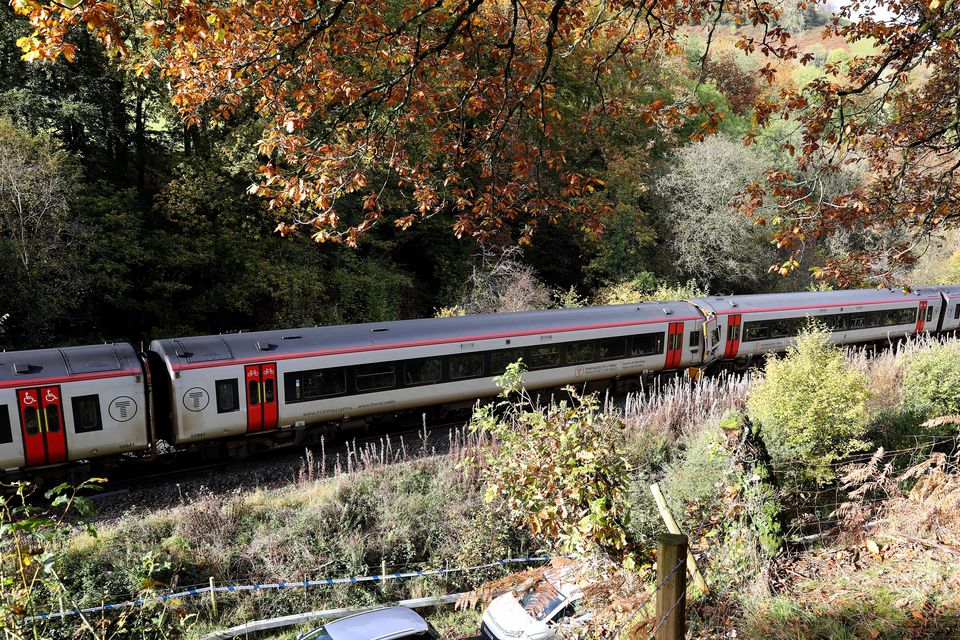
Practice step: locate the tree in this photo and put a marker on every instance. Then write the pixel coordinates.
(501, 284)
(453, 101)
(739, 86)
(36, 181)
(456, 103)
(714, 244)
(892, 111)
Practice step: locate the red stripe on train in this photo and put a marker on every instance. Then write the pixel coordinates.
(726, 312)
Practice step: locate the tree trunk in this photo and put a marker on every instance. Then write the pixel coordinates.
(140, 141)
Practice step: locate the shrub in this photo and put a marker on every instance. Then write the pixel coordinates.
(560, 470)
(932, 379)
(698, 476)
(810, 405)
(645, 288)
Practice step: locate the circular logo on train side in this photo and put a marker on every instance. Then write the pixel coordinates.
(196, 399)
(123, 408)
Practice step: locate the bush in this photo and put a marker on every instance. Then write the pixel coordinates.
(811, 407)
(560, 470)
(932, 380)
(699, 475)
(645, 288)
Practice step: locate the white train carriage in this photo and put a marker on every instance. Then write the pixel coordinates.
(249, 383)
(950, 316)
(746, 326)
(74, 403)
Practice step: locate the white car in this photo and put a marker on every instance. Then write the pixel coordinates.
(533, 614)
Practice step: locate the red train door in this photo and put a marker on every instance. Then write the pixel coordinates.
(271, 411)
(733, 336)
(674, 344)
(41, 422)
(922, 316)
(262, 410)
(54, 433)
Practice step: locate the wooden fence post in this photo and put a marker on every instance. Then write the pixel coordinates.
(673, 527)
(671, 587)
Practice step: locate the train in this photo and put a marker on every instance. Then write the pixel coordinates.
(234, 394)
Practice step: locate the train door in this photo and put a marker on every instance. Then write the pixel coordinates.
(733, 336)
(674, 345)
(922, 316)
(262, 409)
(711, 332)
(41, 422)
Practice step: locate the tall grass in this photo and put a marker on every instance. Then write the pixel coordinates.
(388, 450)
(682, 407)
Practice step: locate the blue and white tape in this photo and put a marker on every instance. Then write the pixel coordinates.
(189, 593)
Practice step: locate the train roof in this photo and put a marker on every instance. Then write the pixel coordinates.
(950, 290)
(22, 367)
(809, 299)
(264, 344)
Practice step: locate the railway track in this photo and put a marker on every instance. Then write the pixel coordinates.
(271, 469)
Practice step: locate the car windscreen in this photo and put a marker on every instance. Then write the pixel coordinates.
(541, 600)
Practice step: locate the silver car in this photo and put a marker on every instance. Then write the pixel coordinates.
(389, 623)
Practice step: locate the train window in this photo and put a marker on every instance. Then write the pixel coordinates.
(857, 322)
(467, 365)
(6, 434)
(929, 314)
(269, 391)
(228, 395)
(784, 327)
(373, 377)
(715, 335)
(675, 341)
(837, 322)
(648, 344)
(253, 392)
(735, 333)
(53, 418)
(544, 357)
(956, 312)
(611, 348)
(31, 421)
(900, 316)
(500, 359)
(753, 331)
(586, 351)
(86, 414)
(423, 371)
(694, 338)
(301, 386)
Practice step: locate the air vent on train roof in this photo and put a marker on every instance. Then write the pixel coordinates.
(666, 311)
(265, 346)
(379, 329)
(293, 337)
(733, 303)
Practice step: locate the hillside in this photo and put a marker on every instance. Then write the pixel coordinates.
(863, 546)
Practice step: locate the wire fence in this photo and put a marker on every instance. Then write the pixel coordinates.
(680, 595)
(810, 510)
(195, 592)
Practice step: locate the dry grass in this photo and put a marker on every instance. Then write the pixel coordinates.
(681, 407)
(931, 510)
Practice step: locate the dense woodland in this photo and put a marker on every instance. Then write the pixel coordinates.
(124, 216)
